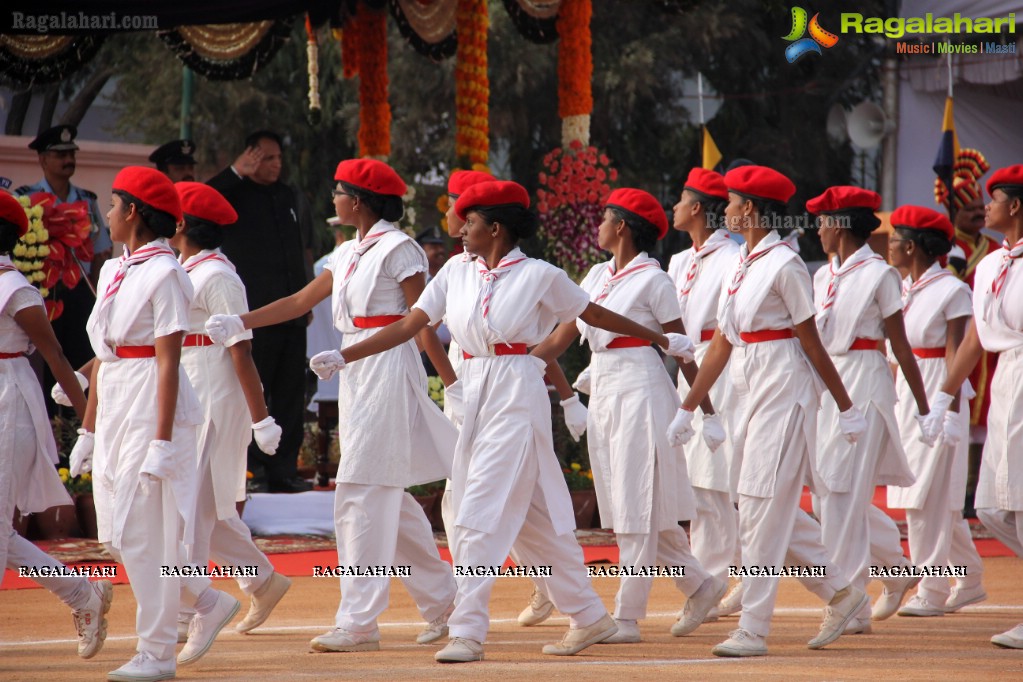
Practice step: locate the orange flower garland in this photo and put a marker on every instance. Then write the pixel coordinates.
(575, 70)
(374, 109)
(349, 49)
(472, 84)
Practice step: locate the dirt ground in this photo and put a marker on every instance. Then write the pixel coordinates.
(37, 641)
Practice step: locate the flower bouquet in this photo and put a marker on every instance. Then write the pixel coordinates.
(56, 243)
(573, 185)
(577, 478)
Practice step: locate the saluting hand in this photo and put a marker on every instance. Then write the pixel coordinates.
(247, 162)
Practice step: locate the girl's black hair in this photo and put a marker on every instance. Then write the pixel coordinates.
(160, 223)
(520, 222)
(934, 243)
(713, 208)
(8, 236)
(644, 234)
(203, 233)
(1012, 191)
(388, 206)
(861, 222)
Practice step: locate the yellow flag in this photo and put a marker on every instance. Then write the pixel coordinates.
(711, 153)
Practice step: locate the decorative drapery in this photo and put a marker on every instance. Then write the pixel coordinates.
(228, 51)
(535, 19)
(45, 58)
(427, 25)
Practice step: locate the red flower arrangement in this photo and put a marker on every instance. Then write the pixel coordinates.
(374, 109)
(57, 241)
(472, 84)
(573, 185)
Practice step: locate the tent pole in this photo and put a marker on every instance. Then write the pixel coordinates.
(187, 87)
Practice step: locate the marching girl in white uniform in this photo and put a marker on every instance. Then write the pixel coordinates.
(229, 390)
(642, 487)
(766, 325)
(507, 484)
(936, 309)
(698, 273)
(859, 302)
(28, 453)
(392, 434)
(997, 327)
(144, 413)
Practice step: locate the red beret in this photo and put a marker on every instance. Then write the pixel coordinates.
(492, 193)
(760, 182)
(12, 211)
(151, 187)
(922, 218)
(462, 180)
(707, 182)
(205, 203)
(370, 175)
(1011, 176)
(641, 204)
(843, 198)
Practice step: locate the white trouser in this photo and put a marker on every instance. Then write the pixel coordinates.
(151, 539)
(1006, 526)
(227, 541)
(885, 540)
(847, 518)
(664, 548)
(715, 531)
(964, 553)
(529, 528)
(774, 531)
(930, 532)
(384, 526)
(72, 590)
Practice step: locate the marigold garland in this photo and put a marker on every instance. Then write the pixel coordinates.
(472, 84)
(349, 39)
(575, 61)
(374, 109)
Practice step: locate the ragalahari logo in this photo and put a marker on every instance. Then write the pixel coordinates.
(801, 46)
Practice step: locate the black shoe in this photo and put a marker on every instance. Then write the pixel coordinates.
(295, 484)
(257, 485)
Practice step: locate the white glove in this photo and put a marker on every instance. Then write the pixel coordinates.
(713, 431)
(575, 416)
(60, 397)
(852, 423)
(222, 327)
(582, 382)
(267, 434)
(81, 454)
(952, 431)
(681, 346)
(681, 428)
(454, 401)
(927, 436)
(933, 423)
(159, 462)
(327, 364)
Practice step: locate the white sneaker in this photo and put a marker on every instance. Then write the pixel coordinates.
(741, 643)
(577, 639)
(1010, 639)
(837, 614)
(732, 603)
(436, 628)
(91, 622)
(918, 606)
(204, 628)
(699, 605)
(891, 598)
(184, 620)
(538, 610)
(144, 667)
(858, 626)
(961, 597)
(263, 601)
(460, 650)
(343, 640)
(628, 633)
